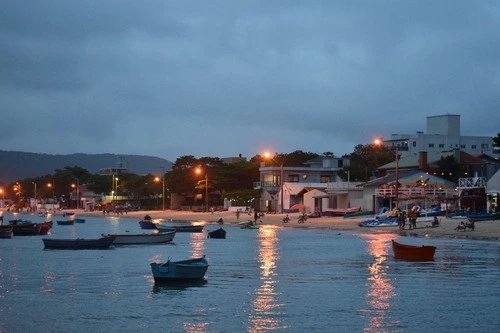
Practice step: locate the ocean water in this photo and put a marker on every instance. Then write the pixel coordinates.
(268, 280)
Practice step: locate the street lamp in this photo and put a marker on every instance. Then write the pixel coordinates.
(77, 186)
(163, 187)
(379, 142)
(268, 156)
(198, 171)
(35, 194)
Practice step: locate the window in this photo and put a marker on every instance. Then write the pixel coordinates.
(473, 147)
(414, 143)
(293, 179)
(441, 145)
(324, 179)
(340, 163)
(484, 146)
(431, 145)
(462, 146)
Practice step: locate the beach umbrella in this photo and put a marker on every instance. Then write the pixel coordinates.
(298, 206)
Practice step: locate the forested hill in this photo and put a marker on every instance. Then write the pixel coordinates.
(15, 165)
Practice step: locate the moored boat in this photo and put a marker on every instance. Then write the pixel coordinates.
(78, 243)
(180, 228)
(413, 252)
(147, 224)
(29, 230)
(154, 238)
(179, 271)
(66, 222)
(6, 232)
(79, 220)
(218, 233)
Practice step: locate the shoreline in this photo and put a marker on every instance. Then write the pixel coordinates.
(484, 230)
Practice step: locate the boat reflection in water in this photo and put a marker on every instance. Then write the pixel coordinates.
(265, 308)
(380, 290)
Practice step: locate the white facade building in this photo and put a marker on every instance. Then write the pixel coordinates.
(443, 134)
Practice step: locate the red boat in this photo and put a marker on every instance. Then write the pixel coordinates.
(412, 252)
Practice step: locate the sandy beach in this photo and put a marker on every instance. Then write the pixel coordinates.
(484, 230)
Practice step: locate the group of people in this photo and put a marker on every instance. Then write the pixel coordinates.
(402, 217)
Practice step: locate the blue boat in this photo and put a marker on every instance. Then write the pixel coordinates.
(380, 222)
(179, 271)
(66, 222)
(79, 220)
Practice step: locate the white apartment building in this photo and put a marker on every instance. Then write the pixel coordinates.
(442, 134)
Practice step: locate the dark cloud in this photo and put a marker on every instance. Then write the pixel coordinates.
(221, 78)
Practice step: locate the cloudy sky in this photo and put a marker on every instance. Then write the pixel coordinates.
(222, 78)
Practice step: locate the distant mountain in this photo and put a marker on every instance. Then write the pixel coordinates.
(15, 165)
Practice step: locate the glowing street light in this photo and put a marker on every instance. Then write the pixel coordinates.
(267, 156)
(199, 171)
(77, 187)
(379, 142)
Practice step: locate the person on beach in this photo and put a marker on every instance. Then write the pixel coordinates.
(237, 215)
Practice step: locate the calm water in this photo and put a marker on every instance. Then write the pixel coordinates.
(268, 280)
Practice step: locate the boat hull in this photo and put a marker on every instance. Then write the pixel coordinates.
(135, 239)
(219, 233)
(412, 252)
(180, 228)
(78, 243)
(180, 271)
(69, 222)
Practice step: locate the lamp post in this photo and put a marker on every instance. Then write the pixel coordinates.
(163, 187)
(35, 194)
(77, 188)
(282, 176)
(3, 197)
(198, 171)
(396, 150)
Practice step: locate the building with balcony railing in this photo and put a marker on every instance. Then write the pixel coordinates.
(297, 180)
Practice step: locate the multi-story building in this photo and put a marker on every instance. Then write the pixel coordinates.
(284, 186)
(443, 134)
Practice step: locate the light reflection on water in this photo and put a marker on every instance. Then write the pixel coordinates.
(265, 306)
(380, 290)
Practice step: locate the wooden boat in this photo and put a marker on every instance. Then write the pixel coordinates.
(412, 252)
(6, 232)
(29, 230)
(78, 243)
(79, 220)
(219, 233)
(178, 271)
(155, 238)
(180, 228)
(66, 222)
(147, 224)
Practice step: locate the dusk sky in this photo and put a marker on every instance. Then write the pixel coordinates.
(222, 78)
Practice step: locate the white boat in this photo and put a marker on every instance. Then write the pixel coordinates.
(183, 270)
(154, 238)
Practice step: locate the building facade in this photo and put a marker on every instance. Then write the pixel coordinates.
(442, 134)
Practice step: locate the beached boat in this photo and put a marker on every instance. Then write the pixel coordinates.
(412, 252)
(341, 211)
(219, 233)
(6, 232)
(476, 217)
(66, 222)
(147, 224)
(78, 243)
(179, 228)
(380, 222)
(179, 271)
(155, 238)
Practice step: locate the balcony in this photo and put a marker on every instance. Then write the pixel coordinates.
(417, 192)
(338, 187)
(474, 182)
(270, 187)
